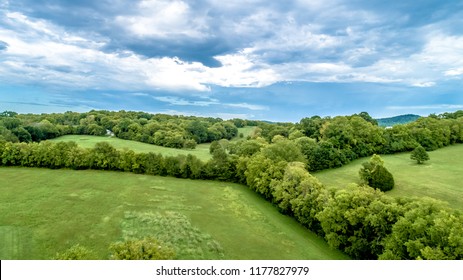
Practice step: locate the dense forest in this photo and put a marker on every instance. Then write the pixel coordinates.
(275, 161)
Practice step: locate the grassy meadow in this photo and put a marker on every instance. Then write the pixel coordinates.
(201, 151)
(441, 177)
(48, 211)
(88, 141)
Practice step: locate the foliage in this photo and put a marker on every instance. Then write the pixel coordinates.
(374, 174)
(309, 198)
(367, 117)
(357, 219)
(189, 144)
(143, 249)
(284, 190)
(261, 171)
(283, 150)
(163, 130)
(427, 230)
(419, 154)
(245, 148)
(76, 252)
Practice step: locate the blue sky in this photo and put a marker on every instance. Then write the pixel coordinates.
(270, 60)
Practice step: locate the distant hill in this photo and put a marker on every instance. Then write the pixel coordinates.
(402, 119)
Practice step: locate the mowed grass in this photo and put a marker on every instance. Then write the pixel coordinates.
(48, 211)
(246, 131)
(87, 141)
(441, 177)
(201, 151)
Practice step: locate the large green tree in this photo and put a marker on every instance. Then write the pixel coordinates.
(419, 154)
(357, 219)
(427, 230)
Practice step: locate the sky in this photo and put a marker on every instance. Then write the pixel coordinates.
(255, 59)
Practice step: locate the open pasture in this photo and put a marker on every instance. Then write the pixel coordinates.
(201, 151)
(87, 141)
(48, 211)
(441, 177)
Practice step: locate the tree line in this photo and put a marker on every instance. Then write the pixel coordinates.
(333, 142)
(159, 129)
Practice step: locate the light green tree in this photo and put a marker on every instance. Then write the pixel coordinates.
(76, 252)
(142, 249)
(419, 154)
(427, 230)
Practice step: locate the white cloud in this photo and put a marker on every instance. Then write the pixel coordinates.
(90, 67)
(443, 49)
(162, 18)
(39, 26)
(454, 72)
(41, 52)
(240, 70)
(34, 57)
(424, 84)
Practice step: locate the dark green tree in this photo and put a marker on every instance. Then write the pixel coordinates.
(374, 174)
(357, 220)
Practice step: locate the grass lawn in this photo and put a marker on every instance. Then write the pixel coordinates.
(201, 151)
(47, 211)
(441, 177)
(88, 141)
(247, 131)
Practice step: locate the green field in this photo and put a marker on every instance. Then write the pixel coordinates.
(201, 151)
(47, 211)
(247, 131)
(441, 177)
(88, 141)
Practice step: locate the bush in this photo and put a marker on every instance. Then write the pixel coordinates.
(374, 174)
(76, 252)
(144, 249)
(189, 144)
(381, 179)
(419, 154)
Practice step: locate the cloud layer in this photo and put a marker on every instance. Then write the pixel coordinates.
(177, 49)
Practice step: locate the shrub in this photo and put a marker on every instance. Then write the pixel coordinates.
(374, 174)
(189, 144)
(143, 249)
(76, 252)
(419, 154)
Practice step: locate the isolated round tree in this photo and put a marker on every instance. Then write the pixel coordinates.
(419, 154)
